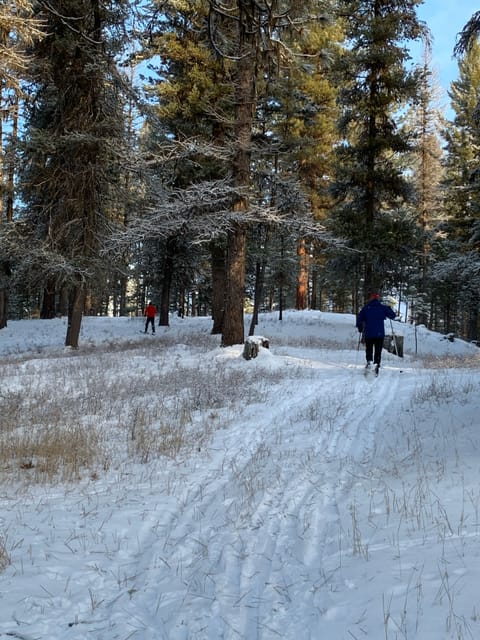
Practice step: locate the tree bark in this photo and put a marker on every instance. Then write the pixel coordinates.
(48, 310)
(217, 252)
(259, 286)
(75, 312)
(3, 308)
(167, 277)
(245, 103)
(233, 325)
(302, 278)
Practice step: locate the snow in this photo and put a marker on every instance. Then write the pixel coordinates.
(309, 502)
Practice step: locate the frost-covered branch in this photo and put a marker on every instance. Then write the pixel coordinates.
(205, 211)
(40, 262)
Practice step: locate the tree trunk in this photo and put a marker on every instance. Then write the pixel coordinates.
(302, 278)
(167, 277)
(3, 308)
(75, 312)
(233, 325)
(245, 103)
(123, 284)
(6, 198)
(63, 302)
(472, 326)
(259, 281)
(259, 285)
(48, 310)
(217, 251)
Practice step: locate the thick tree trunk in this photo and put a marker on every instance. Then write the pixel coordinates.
(246, 99)
(48, 310)
(233, 325)
(75, 313)
(217, 252)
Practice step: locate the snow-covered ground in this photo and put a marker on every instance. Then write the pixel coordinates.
(309, 502)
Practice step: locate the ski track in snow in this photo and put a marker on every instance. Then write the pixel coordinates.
(237, 541)
(272, 546)
(190, 564)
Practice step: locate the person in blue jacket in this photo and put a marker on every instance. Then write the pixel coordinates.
(370, 323)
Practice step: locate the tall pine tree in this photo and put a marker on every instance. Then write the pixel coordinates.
(18, 30)
(456, 274)
(71, 149)
(425, 121)
(371, 189)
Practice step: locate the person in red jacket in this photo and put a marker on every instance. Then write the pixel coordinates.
(150, 311)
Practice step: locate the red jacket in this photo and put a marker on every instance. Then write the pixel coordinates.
(150, 311)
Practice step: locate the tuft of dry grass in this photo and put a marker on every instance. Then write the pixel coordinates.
(4, 555)
(451, 362)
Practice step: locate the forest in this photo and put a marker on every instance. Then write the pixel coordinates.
(220, 157)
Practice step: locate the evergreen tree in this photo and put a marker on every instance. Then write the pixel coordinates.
(304, 124)
(424, 121)
(71, 152)
(192, 93)
(228, 111)
(18, 30)
(456, 282)
(371, 187)
(258, 39)
(463, 139)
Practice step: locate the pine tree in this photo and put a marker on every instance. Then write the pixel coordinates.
(18, 30)
(227, 102)
(463, 139)
(258, 38)
(193, 97)
(304, 124)
(424, 121)
(72, 147)
(456, 272)
(370, 186)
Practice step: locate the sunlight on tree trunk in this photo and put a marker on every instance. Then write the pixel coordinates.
(302, 277)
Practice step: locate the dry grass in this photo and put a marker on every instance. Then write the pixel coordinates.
(79, 414)
(314, 342)
(4, 556)
(451, 362)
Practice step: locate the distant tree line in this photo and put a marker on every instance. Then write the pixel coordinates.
(222, 156)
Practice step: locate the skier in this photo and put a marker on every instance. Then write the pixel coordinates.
(370, 324)
(150, 311)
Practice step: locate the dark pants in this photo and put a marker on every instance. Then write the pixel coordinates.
(152, 321)
(373, 349)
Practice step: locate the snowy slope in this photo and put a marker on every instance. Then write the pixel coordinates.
(322, 505)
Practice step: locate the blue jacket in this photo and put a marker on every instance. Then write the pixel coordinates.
(371, 317)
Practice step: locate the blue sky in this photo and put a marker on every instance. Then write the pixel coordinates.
(446, 18)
